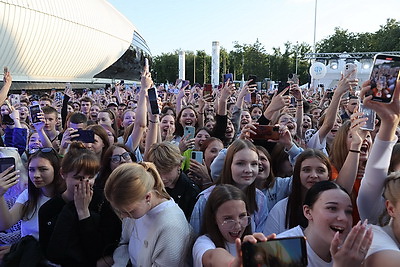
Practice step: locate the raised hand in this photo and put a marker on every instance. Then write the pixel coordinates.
(82, 196)
(353, 250)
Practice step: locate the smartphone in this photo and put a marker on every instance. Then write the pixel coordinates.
(155, 110)
(288, 251)
(5, 70)
(282, 86)
(146, 64)
(35, 110)
(228, 77)
(6, 163)
(371, 115)
(189, 132)
(85, 136)
(348, 68)
(253, 97)
(329, 94)
(185, 83)
(59, 96)
(15, 99)
(7, 120)
(253, 78)
(197, 156)
(384, 76)
(207, 89)
(293, 78)
(265, 132)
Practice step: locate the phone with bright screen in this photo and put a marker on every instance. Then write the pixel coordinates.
(384, 76)
(288, 251)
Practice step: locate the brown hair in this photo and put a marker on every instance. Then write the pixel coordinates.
(294, 208)
(78, 159)
(226, 175)
(339, 148)
(220, 194)
(101, 132)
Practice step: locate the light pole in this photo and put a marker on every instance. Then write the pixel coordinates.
(315, 24)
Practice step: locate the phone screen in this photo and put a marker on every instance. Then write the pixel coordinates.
(228, 76)
(384, 76)
(265, 132)
(85, 136)
(153, 101)
(6, 163)
(290, 251)
(34, 113)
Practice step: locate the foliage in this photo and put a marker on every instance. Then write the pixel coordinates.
(246, 59)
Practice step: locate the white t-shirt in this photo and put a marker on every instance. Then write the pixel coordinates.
(317, 144)
(31, 226)
(276, 218)
(313, 259)
(384, 239)
(204, 243)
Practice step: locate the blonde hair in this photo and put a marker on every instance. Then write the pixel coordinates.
(165, 156)
(391, 192)
(131, 182)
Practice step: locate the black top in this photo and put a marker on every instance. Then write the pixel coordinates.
(184, 194)
(68, 241)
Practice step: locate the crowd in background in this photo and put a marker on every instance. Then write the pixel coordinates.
(138, 194)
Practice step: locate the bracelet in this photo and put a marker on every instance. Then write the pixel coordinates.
(153, 121)
(355, 151)
(299, 100)
(202, 113)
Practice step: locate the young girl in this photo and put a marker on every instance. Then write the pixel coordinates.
(44, 182)
(274, 188)
(311, 167)
(155, 230)
(240, 169)
(225, 219)
(331, 241)
(77, 227)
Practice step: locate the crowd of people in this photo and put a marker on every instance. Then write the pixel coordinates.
(101, 179)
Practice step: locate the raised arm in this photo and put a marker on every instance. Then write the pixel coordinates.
(370, 201)
(8, 217)
(278, 101)
(141, 110)
(348, 172)
(345, 84)
(6, 86)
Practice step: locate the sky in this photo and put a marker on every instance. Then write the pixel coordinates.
(194, 24)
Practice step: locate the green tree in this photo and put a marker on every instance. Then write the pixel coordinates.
(165, 67)
(341, 41)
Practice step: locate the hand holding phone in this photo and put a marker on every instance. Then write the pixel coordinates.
(34, 111)
(85, 136)
(265, 132)
(350, 71)
(228, 77)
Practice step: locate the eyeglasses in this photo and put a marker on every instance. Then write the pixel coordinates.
(117, 158)
(43, 150)
(230, 224)
(285, 120)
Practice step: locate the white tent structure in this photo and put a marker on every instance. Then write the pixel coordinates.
(66, 40)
